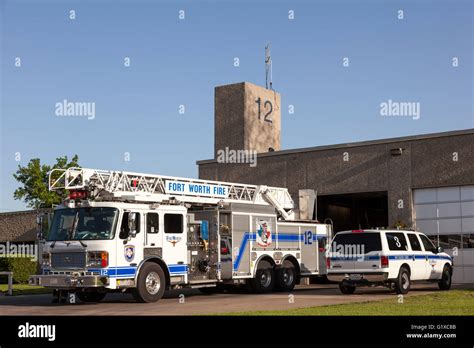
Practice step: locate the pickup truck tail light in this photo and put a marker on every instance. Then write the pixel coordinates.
(384, 261)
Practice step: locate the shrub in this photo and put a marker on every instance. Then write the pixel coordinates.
(22, 268)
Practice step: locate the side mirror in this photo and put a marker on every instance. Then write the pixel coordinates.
(132, 224)
(438, 250)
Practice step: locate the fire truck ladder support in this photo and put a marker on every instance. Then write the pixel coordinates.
(130, 186)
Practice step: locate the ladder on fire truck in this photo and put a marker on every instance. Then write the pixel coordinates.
(130, 186)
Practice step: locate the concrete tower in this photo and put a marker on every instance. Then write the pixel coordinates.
(247, 117)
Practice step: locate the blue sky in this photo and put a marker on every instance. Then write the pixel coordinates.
(177, 62)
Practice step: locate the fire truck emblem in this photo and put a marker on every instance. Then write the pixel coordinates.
(264, 233)
(173, 239)
(129, 253)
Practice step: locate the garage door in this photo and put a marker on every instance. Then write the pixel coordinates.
(446, 214)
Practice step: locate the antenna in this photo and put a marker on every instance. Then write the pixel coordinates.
(268, 67)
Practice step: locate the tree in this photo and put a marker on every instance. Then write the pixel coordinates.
(33, 177)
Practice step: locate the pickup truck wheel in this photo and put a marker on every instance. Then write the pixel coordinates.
(347, 289)
(151, 283)
(92, 296)
(286, 277)
(445, 282)
(264, 280)
(403, 282)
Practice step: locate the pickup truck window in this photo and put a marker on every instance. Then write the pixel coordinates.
(365, 242)
(414, 242)
(427, 243)
(396, 241)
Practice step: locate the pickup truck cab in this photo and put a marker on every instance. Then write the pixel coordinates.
(392, 258)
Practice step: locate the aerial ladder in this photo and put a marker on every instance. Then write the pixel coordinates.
(106, 185)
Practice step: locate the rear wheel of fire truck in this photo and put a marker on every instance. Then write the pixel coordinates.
(286, 276)
(91, 296)
(151, 283)
(264, 280)
(346, 289)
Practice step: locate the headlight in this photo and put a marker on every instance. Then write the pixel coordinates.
(98, 259)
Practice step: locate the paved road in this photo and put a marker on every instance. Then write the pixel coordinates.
(196, 303)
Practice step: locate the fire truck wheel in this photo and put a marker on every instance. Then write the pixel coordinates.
(151, 283)
(91, 296)
(286, 276)
(264, 280)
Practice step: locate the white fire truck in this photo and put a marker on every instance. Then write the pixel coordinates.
(144, 233)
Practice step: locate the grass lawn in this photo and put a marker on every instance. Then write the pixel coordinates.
(24, 289)
(454, 302)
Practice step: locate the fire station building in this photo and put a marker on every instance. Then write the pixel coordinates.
(423, 182)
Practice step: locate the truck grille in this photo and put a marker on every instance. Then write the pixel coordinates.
(74, 260)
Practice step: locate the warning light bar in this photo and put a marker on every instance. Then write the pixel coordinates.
(77, 195)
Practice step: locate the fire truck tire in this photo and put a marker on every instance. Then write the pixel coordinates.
(286, 277)
(264, 280)
(151, 283)
(91, 296)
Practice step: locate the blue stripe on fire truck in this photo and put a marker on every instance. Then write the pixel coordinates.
(127, 271)
(281, 237)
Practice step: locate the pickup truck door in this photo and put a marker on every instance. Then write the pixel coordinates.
(433, 265)
(418, 261)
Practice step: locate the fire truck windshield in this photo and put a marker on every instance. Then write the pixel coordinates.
(83, 224)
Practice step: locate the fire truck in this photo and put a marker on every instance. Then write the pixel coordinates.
(121, 231)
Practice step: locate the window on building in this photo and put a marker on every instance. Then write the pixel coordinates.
(468, 241)
(446, 241)
(414, 242)
(152, 223)
(426, 243)
(173, 223)
(396, 241)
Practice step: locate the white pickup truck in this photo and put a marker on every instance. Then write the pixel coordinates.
(392, 258)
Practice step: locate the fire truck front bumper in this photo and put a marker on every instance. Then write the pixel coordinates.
(69, 281)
